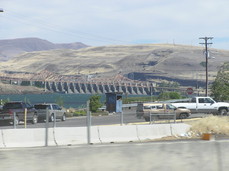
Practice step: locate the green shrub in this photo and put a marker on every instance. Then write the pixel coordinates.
(220, 87)
(138, 99)
(95, 103)
(80, 113)
(203, 64)
(68, 114)
(76, 112)
(169, 95)
(60, 101)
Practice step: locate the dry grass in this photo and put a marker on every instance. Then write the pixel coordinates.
(216, 125)
(211, 124)
(15, 89)
(164, 60)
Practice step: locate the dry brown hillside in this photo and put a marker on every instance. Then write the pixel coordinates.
(165, 60)
(12, 47)
(15, 89)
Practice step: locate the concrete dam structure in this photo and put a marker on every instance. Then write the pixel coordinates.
(81, 85)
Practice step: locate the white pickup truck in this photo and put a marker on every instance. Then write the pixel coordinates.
(203, 105)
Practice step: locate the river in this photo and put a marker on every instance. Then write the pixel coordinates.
(69, 100)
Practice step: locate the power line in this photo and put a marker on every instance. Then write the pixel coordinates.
(206, 43)
(42, 24)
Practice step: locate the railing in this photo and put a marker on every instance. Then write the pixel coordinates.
(162, 114)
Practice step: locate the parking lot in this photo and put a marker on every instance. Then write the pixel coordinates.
(128, 118)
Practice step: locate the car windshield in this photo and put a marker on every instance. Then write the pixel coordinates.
(169, 106)
(40, 106)
(12, 106)
(147, 107)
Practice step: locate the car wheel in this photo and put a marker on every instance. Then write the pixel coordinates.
(223, 112)
(183, 116)
(51, 118)
(63, 117)
(40, 120)
(35, 119)
(147, 119)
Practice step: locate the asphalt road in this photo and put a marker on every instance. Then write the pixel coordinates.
(82, 121)
(163, 156)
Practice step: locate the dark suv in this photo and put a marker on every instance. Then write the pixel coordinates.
(22, 110)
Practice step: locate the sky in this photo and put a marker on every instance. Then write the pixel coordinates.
(117, 22)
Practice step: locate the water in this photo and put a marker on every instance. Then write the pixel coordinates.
(69, 100)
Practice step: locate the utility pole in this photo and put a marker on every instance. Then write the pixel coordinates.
(206, 43)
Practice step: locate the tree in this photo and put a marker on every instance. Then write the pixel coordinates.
(60, 101)
(220, 87)
(26, 100)
(3, 101)
(95, 103)
(169, 95)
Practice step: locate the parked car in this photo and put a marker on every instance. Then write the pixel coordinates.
(162, 109)
(19, 108)
(53, 110)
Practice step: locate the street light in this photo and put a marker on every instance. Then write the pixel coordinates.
(1, 10)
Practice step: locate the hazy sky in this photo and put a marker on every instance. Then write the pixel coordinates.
(112, 22)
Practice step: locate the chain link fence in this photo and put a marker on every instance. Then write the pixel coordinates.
(78, 118)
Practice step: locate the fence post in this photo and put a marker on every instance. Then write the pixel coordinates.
(88, 123)
(54, 122)
(174, 117)
(150, 116)
(121, 118)
(46, 127)
(25, 119)
(14, 120)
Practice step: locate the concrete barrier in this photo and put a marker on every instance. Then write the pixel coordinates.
(2, 143)
(149, 132)
(75, 135)
(69, 136)
(78, 135)
(27, 137)
(109, 134)
(179, 129)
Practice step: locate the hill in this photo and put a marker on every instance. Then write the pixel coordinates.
(13, 47)
(16, 89)
(184, 64)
